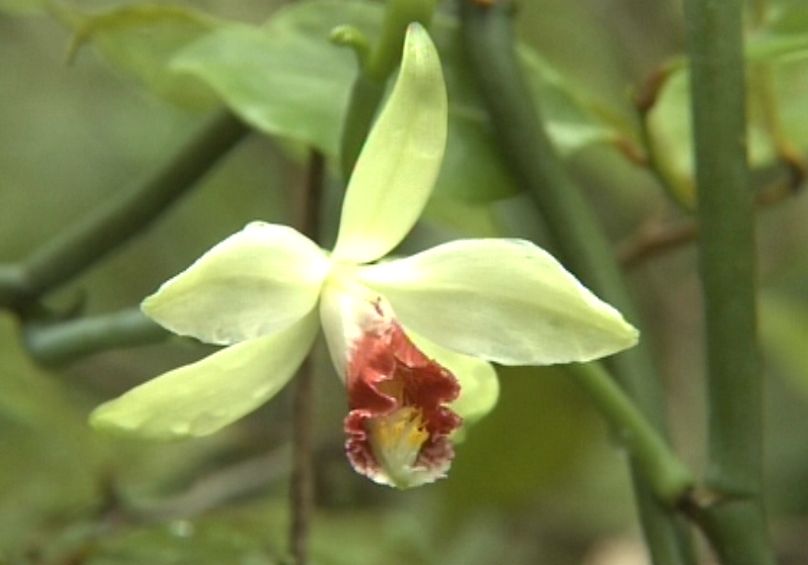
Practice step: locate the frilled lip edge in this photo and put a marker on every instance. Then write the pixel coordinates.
(387, 372)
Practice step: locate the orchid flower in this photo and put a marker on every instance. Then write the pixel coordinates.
(412, 339)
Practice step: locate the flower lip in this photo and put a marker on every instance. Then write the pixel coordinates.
(398, 426)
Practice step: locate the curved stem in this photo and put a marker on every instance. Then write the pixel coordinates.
(727, 264)
(366, 95)
(660, 467)
(66, 341)
(120, 218)
(573, 227)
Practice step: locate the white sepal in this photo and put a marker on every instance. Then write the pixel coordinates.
(504, 300)
(255, 282)
(203, 397)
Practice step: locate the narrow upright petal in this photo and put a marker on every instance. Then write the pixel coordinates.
(399, 422)
(253, 283)
(400, 161)
(203, 397)
(504, 300)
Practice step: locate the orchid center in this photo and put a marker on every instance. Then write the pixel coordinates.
(399, 423)
(396, 440)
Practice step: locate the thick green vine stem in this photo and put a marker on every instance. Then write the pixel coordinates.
(366, 95)
(12, 284)
(666, 474)
(488, 38)
(119, 219)
(714, 32)
(369, 86)
(56, 344)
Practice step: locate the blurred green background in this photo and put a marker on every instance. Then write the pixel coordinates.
(538, 481)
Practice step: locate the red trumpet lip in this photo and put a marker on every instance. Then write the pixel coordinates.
(398, 426)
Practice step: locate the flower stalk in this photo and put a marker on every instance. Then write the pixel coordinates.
(668, 477)
(63, 342)
(735, 520)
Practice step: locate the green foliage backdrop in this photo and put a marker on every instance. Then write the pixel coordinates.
(540, 480)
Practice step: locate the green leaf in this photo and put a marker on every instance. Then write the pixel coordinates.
(140, 40)
(573, 120)
(286, 79)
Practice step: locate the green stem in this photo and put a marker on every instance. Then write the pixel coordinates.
(12, 284)
(66, 341)
(366, 95)
(727, 263)
(659, 466)
(120, 218)
(369, 86)
(398, 15)
(572, 225)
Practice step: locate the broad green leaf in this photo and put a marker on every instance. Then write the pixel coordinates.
(572, 119)
(286, 79)
(282, 79)
(399, 163)
(140, 39)
(253, 283)
(504, 300)
(203, 397)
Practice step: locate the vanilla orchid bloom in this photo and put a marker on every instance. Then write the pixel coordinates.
(412, 339)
